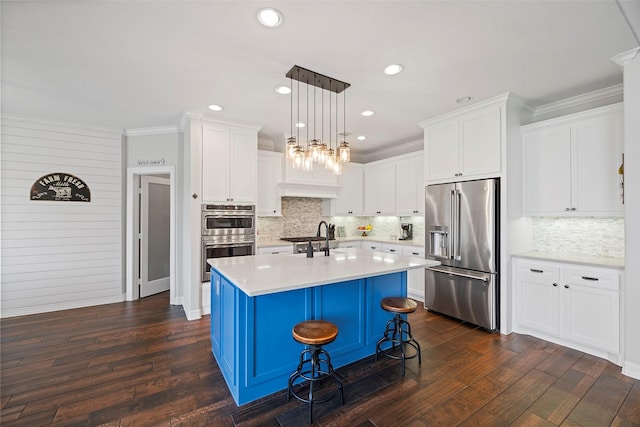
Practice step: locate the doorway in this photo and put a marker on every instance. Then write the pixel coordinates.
(151, 231)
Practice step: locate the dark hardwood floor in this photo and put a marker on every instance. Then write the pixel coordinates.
(143, 364)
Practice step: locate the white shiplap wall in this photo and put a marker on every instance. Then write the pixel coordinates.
(59, 255)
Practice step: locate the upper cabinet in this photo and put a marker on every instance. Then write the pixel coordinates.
(269, 176)
(379, 188)
(410, 185)
(571, 164)
(229, 163)
(350, 200)
(464, 145)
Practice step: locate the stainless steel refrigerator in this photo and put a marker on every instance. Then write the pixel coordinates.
(461, 224)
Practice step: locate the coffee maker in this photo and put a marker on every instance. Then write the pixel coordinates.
(407, 231)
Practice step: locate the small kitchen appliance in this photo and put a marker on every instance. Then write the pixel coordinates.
(407, 231)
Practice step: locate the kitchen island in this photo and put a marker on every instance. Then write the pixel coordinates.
(256, 301)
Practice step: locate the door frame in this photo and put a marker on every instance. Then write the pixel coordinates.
(131, 291)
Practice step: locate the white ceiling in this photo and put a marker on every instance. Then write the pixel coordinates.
(140, 64)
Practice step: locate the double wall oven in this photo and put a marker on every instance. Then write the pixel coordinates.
(227, 230)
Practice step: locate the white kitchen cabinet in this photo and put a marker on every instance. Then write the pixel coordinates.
(350, 244)
(269, 176)
(465, 144)
(379, 189)
(275, 250)
(410, 185)
(573, 305)
(571, 164)
(229, 164)
(350, 200)
(415, 278)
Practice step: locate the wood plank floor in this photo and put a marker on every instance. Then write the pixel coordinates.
(143, 364)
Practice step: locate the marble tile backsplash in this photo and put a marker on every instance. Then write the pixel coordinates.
(301, 215)
(579, 235)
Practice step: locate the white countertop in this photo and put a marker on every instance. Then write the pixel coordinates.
(274, 243)
(266, 274)
(596, 261)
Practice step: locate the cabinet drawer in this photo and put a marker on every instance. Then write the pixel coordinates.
(392, 249)
(538, 271)
(417, 252)
(592, 278)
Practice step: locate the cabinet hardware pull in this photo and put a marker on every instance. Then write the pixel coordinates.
(555, 284)
(534, 270)
(392, 250)
(566, 286)
(567, 209)
(415, 253)
(573, 209)
(595, 279)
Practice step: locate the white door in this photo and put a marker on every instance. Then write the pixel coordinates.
(155, 220)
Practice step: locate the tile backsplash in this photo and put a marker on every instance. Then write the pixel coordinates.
(579, 235)
(301, 215)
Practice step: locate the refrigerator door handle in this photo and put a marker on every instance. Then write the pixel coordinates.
(452, 222)
(483, 277)
(456, 254)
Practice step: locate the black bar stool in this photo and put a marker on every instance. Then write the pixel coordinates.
(398, 330)
(314, 334)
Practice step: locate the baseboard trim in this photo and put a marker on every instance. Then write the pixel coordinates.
(66, 305)
(631, 370)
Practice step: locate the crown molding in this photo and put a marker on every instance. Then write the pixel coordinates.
(499, 99)
(151, 131)
(610, 92)
(568, 118)
(187, 116)
(393, 151)
(625, 58)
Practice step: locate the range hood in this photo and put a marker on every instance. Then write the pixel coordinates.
(300, 189)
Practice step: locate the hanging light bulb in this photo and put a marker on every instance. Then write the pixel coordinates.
(314, 144)
(307, 162)
(344, 152)
(298, 151)
(337, 168)
(291, 141)
(331, 154)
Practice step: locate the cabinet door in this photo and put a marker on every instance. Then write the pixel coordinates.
(406, 183)
(592, 316)
(480, 143)
(591, 305)
(442, 150)
(215, 164)
(371, 190)
(269, 175)
(415, 277)
(350, 194)
(243, 166)
(547, 169)
(387, 188)
(538, 306)
(597, 154)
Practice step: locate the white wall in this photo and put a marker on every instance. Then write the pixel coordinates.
(59, 255)
(631, 350)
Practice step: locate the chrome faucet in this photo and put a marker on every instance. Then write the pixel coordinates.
(326, 226)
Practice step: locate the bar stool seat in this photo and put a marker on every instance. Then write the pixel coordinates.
(398, 331)
(315, 363)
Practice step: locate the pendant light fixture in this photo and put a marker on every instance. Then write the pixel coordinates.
(317, 150)
(344, 152)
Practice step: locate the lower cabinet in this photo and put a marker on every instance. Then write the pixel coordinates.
(275, 250)
(573, 305)
(415, 278)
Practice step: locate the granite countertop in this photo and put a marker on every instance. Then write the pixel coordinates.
(596, 261)
(266, 274)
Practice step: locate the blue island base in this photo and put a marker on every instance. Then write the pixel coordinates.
(251, 336)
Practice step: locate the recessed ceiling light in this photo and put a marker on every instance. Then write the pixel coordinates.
(361, 138)
(299, 125)
(270, 17)
(367, 113)
(283, 90)
(393, 69)
(463, 100)
(214, 107)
